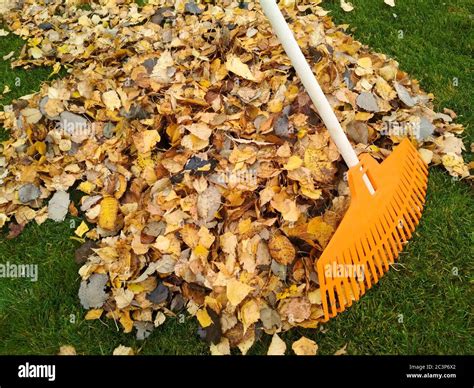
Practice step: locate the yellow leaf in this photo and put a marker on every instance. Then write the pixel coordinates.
(174, 133)
(236, 66)
(312, 158)
(388, 72)
(93, 314)
(384, 89)
(56, 69)
(305, 347)
(290, 291)
(426, 155)
(64, 49)
(311, 192)
(275, 106)
(346, 6)
(145, 141)
(40, 147)
(248, 341)
(365, 62)
(136, 288)
(81, 240)
(315, 297)
(203, 318)
(111, 100)
(200, 251)
(363, 116)
(321, 230)
(86, 187)
(108, 213)
(81, 229)
(194, 143)
(455, 165)
(36, 52)
(126, 322)
(249, 313)
(237, 291)
(245, 226)
(218, 70)
(288, 209)
(200, 130)
(293, 163)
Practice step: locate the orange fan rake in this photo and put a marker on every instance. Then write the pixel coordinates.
(374, 228)
(387, 199)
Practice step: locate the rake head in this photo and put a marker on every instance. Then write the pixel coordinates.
(375, 227)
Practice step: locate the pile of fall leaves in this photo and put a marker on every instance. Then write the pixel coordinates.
(207, 181)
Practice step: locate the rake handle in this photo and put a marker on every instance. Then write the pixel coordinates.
(302, 68)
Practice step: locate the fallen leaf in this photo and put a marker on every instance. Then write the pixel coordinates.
(93, 314)
(236, 66)
(145, 141)
(305, 347)
(67, 350)
(347, 6)
(81, 229)
(111, 100)
(58, 206)
(108, 213)
(91, 291)
(282, 250)
(277, 346)
(123, 351)
(341, 351)
(237, 291)
(221, 349)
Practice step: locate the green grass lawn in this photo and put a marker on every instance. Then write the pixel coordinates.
(422, 306)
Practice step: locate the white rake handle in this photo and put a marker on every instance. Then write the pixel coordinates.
(302, 68)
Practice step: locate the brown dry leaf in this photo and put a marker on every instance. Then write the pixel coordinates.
(282, 250)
